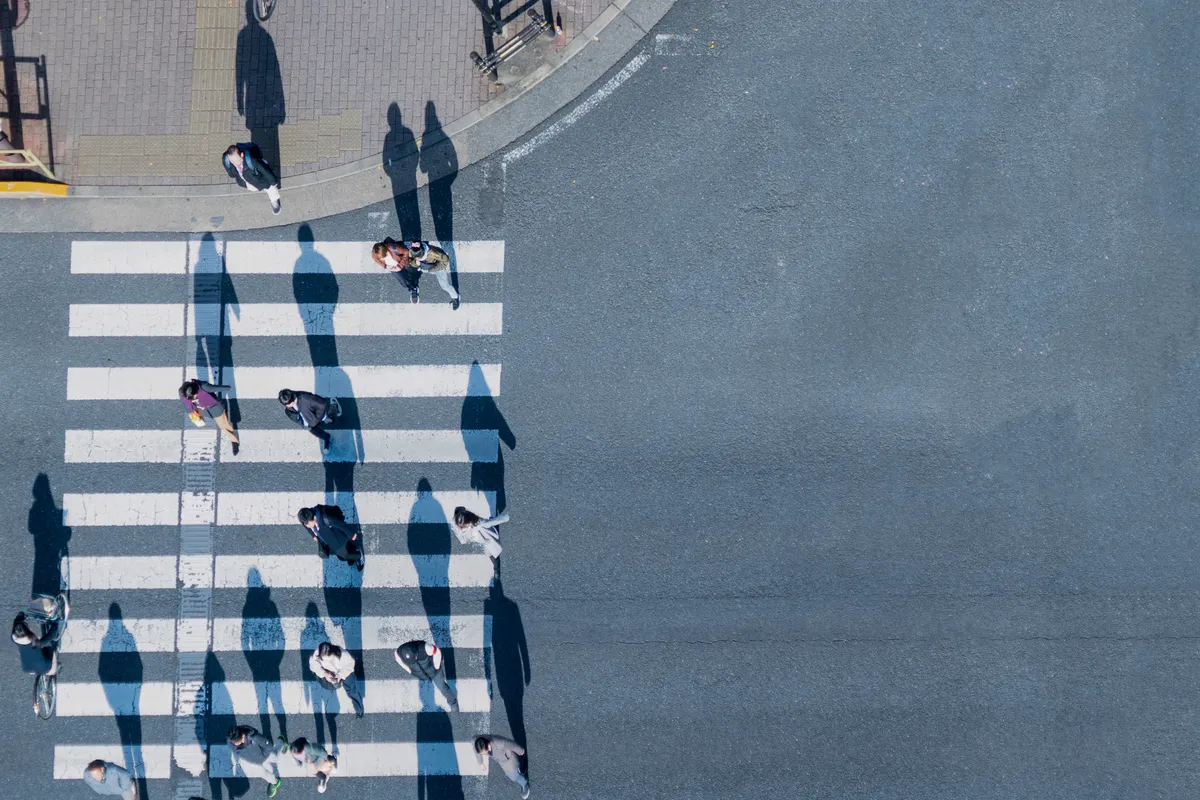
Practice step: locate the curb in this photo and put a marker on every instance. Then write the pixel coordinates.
(198, 209)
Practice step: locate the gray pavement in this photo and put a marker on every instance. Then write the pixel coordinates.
(848, 363)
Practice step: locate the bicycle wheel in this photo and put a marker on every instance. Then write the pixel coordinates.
(45, 696)
(263, 9)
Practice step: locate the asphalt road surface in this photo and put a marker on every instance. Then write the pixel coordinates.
(847, 420)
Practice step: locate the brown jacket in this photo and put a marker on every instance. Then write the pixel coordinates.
(399, 253)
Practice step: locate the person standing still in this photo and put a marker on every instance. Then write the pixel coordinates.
(246, 165)
(247, 745)
(107, 778)
(395, 259)
(310, 411)
(315, 760)
(426, 257)
(200, 397)
(507, 754)
(423, 660)
(334, 667)
(328, 528)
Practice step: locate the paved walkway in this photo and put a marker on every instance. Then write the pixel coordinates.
(145, 94)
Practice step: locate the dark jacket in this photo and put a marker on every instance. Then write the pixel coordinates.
(256, 171)
(256, 749)
(204, 399)
(417, 660)
(334, 533)
(310, 409)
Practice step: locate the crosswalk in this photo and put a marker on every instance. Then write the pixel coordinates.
(225, 540)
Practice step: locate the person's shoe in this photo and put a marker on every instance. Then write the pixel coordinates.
(322, 782)
(414, 296)
(237, 446)
(360, 565)
(275, 206)
(455, 303)
(274, 787)
(325, 446)
(283, 744)
(525, 792)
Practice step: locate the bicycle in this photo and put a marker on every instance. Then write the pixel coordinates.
(263, 9)
(46, 622)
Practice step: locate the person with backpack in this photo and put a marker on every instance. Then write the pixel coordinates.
(248, 746)
(310, 411)
(246, 165)
(425, 257)
(328, 528)
(396, 259)
(200, 397)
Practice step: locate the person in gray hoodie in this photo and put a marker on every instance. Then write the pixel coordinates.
(507, 754)
(249, 746)
(107, 778)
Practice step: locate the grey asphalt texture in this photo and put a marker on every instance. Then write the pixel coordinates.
(851, 365)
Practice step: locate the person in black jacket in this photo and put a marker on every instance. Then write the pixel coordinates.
(310, 411)
(329, 530)
(246, 165)
(251, 747)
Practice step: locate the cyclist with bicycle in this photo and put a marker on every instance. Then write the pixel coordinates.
(37, 641)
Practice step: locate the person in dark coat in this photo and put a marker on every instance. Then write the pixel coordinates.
(329, 530)
(201, 396)
(246, 165)
(310, 411)
(251, 747)
(423, 660)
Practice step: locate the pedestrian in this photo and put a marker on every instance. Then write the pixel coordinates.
(249, 746)
(328, 528)
(471, 529)
(315, 760)
(106, 777)
(310, 411)
(507, 754)
(246, 165)
(200, 397)
(396, 259)
(423, 660)
(426, 257)
(334, 667)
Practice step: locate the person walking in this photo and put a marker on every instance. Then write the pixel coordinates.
(423, 660)
(334, 667)
(315, 760)
(328, 528)
(247, 745)
(200, 397)
(105, 777)
(471, 529)
(425, 257)
(246, 165)
(310, 411)
(507, 754)
(396, 259)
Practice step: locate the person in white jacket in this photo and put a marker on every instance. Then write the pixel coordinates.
(334, 667)
(471, 529)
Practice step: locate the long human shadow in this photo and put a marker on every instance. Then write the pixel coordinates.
(510, 652)
(480, 412)
(315, 289)
(50, 538)
(120, 671)
(400, 160)
(429, 536)
(259, 86)
(439, 161)
(214, 297)
(211, 729)
(434, 731)
(325, 704)
(264, 644)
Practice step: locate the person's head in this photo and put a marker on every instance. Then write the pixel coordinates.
(237, 736)
(328, 650)
(97, 769)
(464, 518)
(415, 248)
(287, 396)
(379, 250)
(297, 747)
(307, 517)
(482, 744)
(189, 388)
(21, 633)
(234, 154)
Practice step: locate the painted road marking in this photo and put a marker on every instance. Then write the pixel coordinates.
(257, 383)
(129, 258)
(235, 634)
(366, 508)
(123, 447)
(121, 508)
(154, 760)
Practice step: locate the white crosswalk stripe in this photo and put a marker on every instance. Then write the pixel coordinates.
(222, 511)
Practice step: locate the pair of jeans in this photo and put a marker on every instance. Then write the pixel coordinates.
(443, 686)
(443, 279)
(518, 777)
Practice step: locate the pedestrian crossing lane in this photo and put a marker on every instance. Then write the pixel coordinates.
(268, 512)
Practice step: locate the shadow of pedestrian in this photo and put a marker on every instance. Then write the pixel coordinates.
(429, 536)
(263, 644)
(259, 86)
(325, 704)
(212, 729)
(439, 161)
(400, 159)
(510, 652)
(437, 767)
(120, 672)
(50, 538)
(213, 296)
(480, 412)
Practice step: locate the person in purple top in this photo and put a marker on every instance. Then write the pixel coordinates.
(200, 397)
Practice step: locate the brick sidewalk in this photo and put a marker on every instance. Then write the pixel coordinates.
(146, 94)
